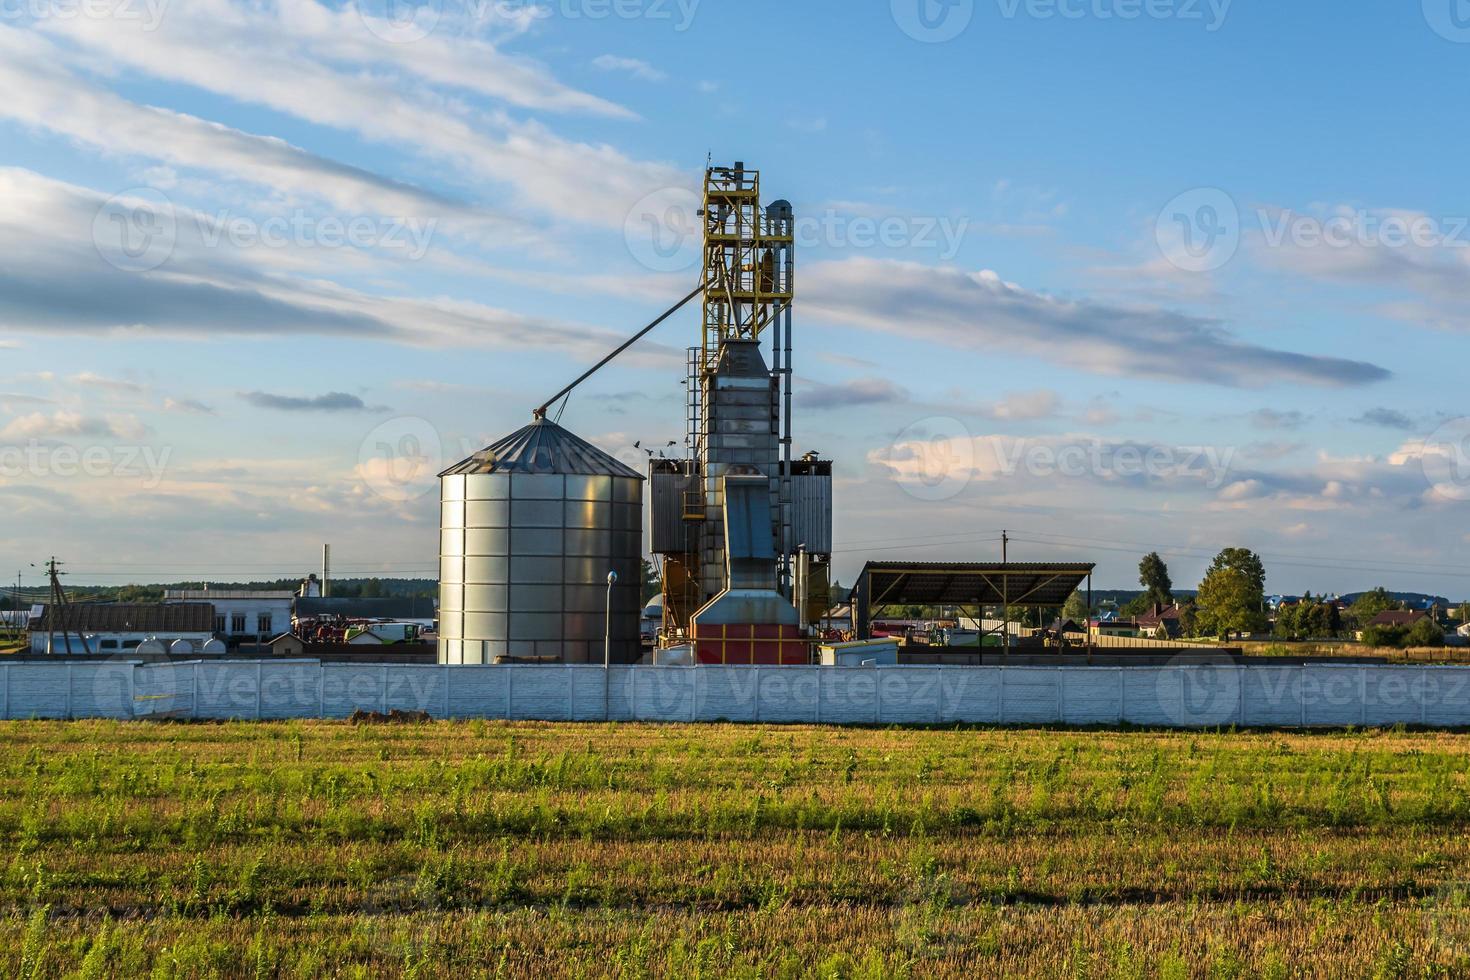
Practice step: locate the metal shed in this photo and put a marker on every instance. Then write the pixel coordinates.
(1046, 585)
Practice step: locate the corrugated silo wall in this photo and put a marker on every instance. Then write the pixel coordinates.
(524, 560)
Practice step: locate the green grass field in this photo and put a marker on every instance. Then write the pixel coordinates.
(491, 849)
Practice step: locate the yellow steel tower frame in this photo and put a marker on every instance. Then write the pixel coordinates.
(747, 280)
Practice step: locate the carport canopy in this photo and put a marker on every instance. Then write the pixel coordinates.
(1045, 585)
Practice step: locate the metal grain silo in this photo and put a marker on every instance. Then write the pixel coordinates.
(530, 528)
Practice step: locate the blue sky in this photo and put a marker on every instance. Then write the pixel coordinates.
(1114, 275)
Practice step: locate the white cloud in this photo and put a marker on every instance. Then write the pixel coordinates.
(46, 232)
(636, 67)
(44, 94)
(1243, 490)
(1026, 406)
(186, 406)
(301, 58)
(64, 423)
(1426, 257)
(978, 310)
(91, 379)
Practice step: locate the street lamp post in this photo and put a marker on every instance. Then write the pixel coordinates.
(612, 579)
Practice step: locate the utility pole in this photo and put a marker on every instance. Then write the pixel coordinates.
(1005, 598)
(57, 601)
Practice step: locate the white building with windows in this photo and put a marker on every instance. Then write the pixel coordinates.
(242, 615)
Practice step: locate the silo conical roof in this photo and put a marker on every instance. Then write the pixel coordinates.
(543, 447)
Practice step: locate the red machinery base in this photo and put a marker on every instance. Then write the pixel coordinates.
(751, 644)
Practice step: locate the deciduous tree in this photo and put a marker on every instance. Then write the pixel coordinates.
(1153, 575)
(1230, 602)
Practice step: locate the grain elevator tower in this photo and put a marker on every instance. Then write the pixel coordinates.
(738, 422)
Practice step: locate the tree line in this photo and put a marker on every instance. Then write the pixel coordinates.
(1231, 602)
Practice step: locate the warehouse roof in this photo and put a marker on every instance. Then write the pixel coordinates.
(968, 583)
(102, 617)
(206, 595)
(543, 447)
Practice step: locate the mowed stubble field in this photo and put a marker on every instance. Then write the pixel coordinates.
(520, 849)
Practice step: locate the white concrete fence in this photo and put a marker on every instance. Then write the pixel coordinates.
(1183, 696)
